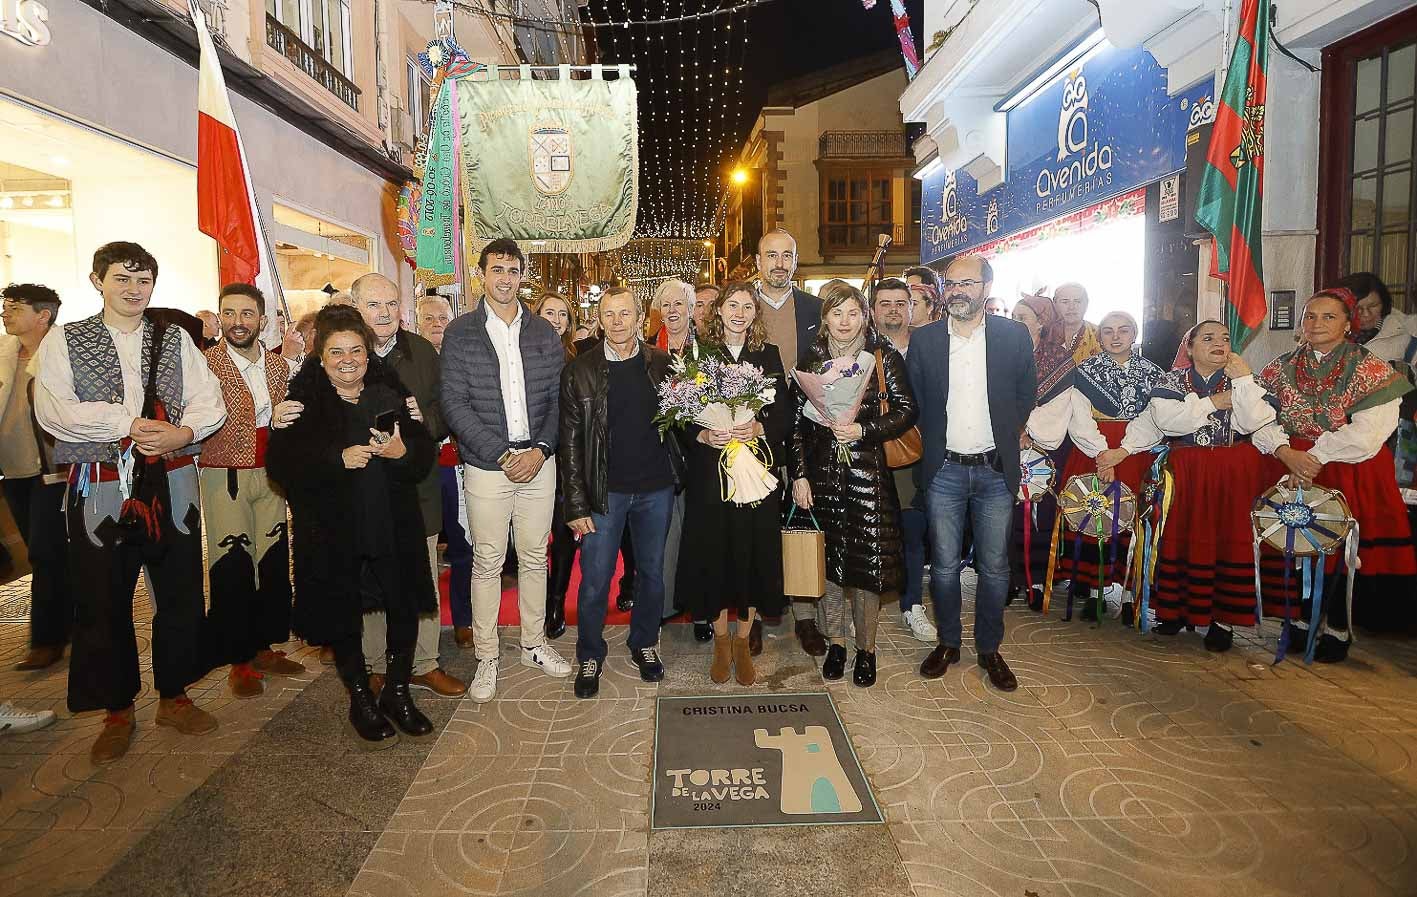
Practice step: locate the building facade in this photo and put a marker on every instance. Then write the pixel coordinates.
(828, 160)
(98, 134)
(1000, 90)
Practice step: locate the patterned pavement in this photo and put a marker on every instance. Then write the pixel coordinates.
(1124, 765)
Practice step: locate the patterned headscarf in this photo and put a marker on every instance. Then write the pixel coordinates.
(1053, 360)
(1350, 302)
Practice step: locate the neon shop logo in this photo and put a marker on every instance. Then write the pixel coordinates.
(952, 228)
(1091, 165)
(1202, 113)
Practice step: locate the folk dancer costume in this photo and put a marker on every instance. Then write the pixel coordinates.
(1095, 413)
(1028, 550)
(89, 388)
(248, 550)
(1204, 572)
(1341, 408)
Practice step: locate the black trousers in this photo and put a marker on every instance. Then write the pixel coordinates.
(39, 513)
(103, 670)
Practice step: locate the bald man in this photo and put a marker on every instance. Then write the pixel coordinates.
(415, 361)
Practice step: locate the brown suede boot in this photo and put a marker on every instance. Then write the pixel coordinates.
(113, 740)
(743, 663)
(245, 681)
(184, 716)
(722, 666)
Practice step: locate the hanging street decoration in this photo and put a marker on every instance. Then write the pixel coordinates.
(903, 34)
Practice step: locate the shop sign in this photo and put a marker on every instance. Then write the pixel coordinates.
(27, 21)
(1105, 127)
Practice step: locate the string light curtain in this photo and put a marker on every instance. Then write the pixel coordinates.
(690, 56)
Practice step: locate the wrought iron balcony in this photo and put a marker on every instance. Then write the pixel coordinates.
(863, 145)
(288, 44)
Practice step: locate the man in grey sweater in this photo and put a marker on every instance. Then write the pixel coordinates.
(501, 385)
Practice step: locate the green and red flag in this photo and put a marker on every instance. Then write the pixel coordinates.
(1230, 203)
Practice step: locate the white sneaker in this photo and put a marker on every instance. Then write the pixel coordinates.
(14, 721)
(545, 658)
(484, 682)
(920, 625)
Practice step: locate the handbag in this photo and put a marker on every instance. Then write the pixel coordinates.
(804, 559)
(905, 449)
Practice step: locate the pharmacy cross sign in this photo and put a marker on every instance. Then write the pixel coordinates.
(740, 760)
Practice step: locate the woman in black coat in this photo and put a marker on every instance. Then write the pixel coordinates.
(733, 553)
(350, 466)
(852, 493)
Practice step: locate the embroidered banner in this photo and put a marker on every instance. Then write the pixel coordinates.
(552, 163)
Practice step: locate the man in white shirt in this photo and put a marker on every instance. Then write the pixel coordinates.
(501, 399)
(248, 549)
(90, 393)
(974, 380)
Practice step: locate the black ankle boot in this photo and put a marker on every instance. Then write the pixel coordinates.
(1218, 638)
(834, 667)
(865, 673)
(1168, 627)
(395, 699)
(365, 716)
(555, 616)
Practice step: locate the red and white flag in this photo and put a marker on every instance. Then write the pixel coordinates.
(226, 203)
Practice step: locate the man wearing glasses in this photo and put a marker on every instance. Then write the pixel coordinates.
(791, 317)
(974, 380)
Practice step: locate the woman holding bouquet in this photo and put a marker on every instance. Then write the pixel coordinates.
(840, 473)
(736, 561)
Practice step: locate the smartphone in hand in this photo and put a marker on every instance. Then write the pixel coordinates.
(384, 422)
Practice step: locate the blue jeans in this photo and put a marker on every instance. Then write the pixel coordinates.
(978, 495)
(458, 553)
(912, 533)
(647, 515)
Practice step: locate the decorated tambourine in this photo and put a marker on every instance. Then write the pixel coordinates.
(1299, 522)
(1037, 475)
(1094, 508)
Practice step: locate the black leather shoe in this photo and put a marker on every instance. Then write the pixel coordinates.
(703, 632)
(1330, 649)
(365, 716)
(1218, 638)
(999, 672)
(755, 637)
(588, 679)
(626, 599)
(555, 616)
(650, 666)
(1168, 627)
(834, 667)
(813, 642)
(397, 701)
(939, 661)
(865, 673)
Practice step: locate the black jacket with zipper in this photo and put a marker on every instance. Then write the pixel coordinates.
(583, 456)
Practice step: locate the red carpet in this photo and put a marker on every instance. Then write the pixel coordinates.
(510, 615)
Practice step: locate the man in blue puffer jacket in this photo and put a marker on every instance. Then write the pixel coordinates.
(501, 381)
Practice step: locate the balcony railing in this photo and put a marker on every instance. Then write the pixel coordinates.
(288, 44)
(863, 145)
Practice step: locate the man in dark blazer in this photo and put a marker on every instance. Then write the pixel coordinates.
(791, 317)
(974, 382)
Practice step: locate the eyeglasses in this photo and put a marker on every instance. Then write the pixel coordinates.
(967, 284)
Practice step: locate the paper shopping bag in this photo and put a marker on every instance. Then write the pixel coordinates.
(804, 559)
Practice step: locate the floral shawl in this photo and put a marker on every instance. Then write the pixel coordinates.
(1315, 396)
(1086, 344)
(1186, 380)
(1116, 392)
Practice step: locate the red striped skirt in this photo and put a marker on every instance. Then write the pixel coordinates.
(1087, 565)
(1206, 565)
(1370, 487)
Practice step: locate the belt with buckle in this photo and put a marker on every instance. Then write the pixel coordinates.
(980, 460)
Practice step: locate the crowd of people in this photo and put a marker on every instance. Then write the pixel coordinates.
(519, 436)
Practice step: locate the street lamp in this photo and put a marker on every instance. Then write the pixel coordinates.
(740, 176)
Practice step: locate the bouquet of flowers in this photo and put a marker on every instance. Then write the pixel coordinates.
(707, 389)
(834, 392)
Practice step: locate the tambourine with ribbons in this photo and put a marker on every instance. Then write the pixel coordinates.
(1154, 506)
(1090, 507)
(1305, 525)
(1036, 476)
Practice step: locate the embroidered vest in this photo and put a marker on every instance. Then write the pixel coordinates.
(234, 445)
(98, 377)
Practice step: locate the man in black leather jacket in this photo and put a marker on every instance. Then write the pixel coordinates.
(609, 393)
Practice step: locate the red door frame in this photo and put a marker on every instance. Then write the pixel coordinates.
(1340, 62)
